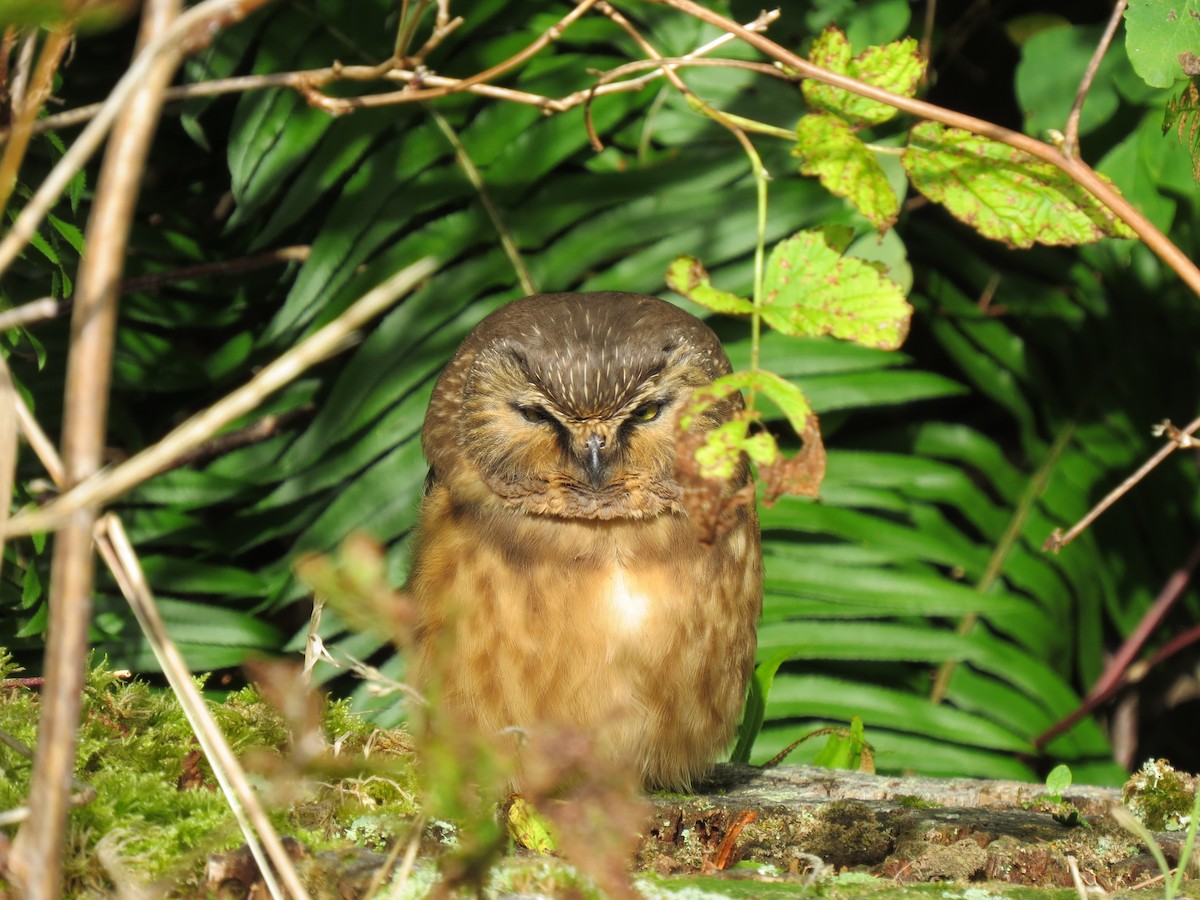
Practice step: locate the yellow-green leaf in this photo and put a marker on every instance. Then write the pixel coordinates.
(721, 453)
(687, 276)
(789, 398)
(828, 149)
(1004, 193)
(896, 67)
(529, 828)
(810, 289)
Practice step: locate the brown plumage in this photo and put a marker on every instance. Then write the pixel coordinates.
(558, 579)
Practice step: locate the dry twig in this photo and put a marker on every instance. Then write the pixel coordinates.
(37, 860)
(109, 484)
(1070, 145)
(186, 28)
(1058, 539)
(256, 827)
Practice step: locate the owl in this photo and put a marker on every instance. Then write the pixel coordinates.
(558, 577)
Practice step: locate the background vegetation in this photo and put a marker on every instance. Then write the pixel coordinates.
(1027, 388)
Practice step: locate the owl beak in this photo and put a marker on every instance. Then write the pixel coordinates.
(592, 463)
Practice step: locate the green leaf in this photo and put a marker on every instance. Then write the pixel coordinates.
(895, 67)
(810, 289)
(1058, 780)
(1157, 34)
(752, 718)
(1052, 63)
(1003, 193)
(785, 395)
(688, 277)
(529, 828)
(828, 149)
(818, 696)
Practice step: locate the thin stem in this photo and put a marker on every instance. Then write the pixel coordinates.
(256, 827)
(468, 166)
(927, 39)
(1071, 132)
(37, 859)
(109, 484)
(339, 105)
(33, 311)
(1081, 173)
(26, 112)
(308, 79)
(1116, 672)
(758, 171)
(1058, 540)
(182, 32)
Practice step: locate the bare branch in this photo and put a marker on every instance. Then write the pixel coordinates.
(37, 860)
(307, 79)
(111, 483)
(1083, 174)
(1116, 673)
(1058, 540)
(256, 826)
(226, 267)
(339, 105)
(184, 31)
(1071, 133)
(25, 110)
(33, 311)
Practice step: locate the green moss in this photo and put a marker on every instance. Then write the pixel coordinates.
(157, 811)
(1160, 796)
(911, 801)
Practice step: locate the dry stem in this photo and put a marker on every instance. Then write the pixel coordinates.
(1079, 171)
(111, 483)
(184, 29)
(1070, 145)
(37, 860)
(308, 79)
(118, 553)
(1058, 539)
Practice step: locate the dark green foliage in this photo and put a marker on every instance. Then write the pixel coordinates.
(950, 461)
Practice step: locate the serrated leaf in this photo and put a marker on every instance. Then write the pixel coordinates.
(896, 67)
(789, 398)
(810, 289)
(828, 149)
(69, 232)
(1181, 115)
(687, 276)
(1004, 193)
(1157, 33)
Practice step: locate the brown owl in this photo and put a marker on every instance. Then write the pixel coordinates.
(558, 578)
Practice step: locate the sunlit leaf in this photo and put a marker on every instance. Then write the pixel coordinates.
(688, 276)
(895, 67)
(829, 149)
(1004, 193)
(1157, 32)
(810, 289)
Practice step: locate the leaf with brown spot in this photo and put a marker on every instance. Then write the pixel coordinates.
(811, 289)
(1004, 193)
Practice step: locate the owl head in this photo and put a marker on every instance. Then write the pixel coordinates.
(567, 405)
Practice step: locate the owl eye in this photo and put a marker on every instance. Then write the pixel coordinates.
(647, 412)
(535, 414)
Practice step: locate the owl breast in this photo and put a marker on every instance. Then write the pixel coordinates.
(559, 579)
(631, 633)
